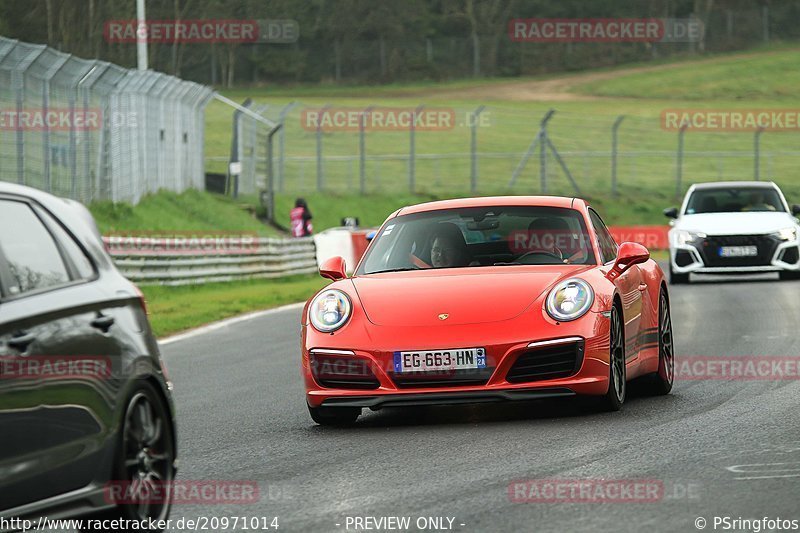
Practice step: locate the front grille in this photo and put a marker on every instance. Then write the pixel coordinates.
(442, 378)
(547, 362)
(790, 255)
(709, 250)
(343, 372)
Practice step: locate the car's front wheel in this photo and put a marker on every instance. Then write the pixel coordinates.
(617, 374)
(662, 380)
(334, 416)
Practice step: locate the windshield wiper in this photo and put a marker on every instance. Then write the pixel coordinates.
(406, 269)
(502, 263)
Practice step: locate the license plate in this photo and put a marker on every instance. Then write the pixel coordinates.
(450, 359)
(738, 251)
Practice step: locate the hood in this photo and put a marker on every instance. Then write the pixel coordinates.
(468, 296)
(755, 223)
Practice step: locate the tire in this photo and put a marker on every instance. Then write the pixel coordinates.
(661, 381)
(144, 458)
(617, 374)
(788, 275)
(334, 416)
(677, 279)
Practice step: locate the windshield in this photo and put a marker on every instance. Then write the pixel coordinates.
(734, 200)
(476, 237)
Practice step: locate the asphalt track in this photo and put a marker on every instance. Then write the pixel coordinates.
(717, 448)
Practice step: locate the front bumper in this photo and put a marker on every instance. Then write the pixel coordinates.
(503, 379)
(702, 256)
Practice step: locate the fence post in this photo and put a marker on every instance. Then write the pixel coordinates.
(270, 200)
(473, 181)
(543, 150)
(320, 180)
(412, 151)
(362, 151)
(757, 153)
(679, 170)
(282, 143)
(614, 131)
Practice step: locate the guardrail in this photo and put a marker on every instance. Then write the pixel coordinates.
(185, 261)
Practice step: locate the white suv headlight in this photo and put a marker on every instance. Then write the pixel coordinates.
(329, 310)
(569, 300)
(787, 234)
(683, 237)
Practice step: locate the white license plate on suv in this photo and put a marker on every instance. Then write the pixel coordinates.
(433, 360)
(738, 251)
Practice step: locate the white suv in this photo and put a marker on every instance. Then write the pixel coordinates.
(734, 227)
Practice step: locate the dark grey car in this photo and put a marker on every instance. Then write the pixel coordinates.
(86, 413)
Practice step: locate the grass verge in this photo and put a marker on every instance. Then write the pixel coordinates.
(176, 309)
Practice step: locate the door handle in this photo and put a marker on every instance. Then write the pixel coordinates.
(643, 287)
(103, 322)
(21, 340)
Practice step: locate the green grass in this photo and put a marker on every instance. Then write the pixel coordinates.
(771, 76)
(167, 211)
(174, 309)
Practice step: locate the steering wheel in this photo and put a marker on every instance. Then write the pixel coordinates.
(543, 253)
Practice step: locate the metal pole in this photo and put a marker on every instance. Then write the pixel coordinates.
(412, 151)
(679, 170)
(530, 150)
(614, 130)
(543, 150)
(141, 36)
(757, 153)
(473, 182)
(271, 176)
(282, 143)
(362, 151)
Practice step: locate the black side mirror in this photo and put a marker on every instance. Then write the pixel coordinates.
(671, 212)
(796, 210)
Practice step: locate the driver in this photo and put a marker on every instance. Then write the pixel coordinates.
(756, 202)
(448, 247)
(547, 234)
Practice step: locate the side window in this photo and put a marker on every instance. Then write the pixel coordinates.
(83, 267)
(30, 252)
(607, 245)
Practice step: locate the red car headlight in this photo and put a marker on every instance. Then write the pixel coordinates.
(569, 300)
(329, 310)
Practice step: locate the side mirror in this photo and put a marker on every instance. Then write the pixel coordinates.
(671, 212)
(333, 268)
(796, 210)
(630, 253)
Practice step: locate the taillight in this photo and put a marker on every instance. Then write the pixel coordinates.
(142, 300)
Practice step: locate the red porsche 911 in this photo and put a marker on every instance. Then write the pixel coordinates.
(484, 300)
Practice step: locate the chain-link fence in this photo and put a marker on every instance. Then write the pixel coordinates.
(503, 149)
(91, 130)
